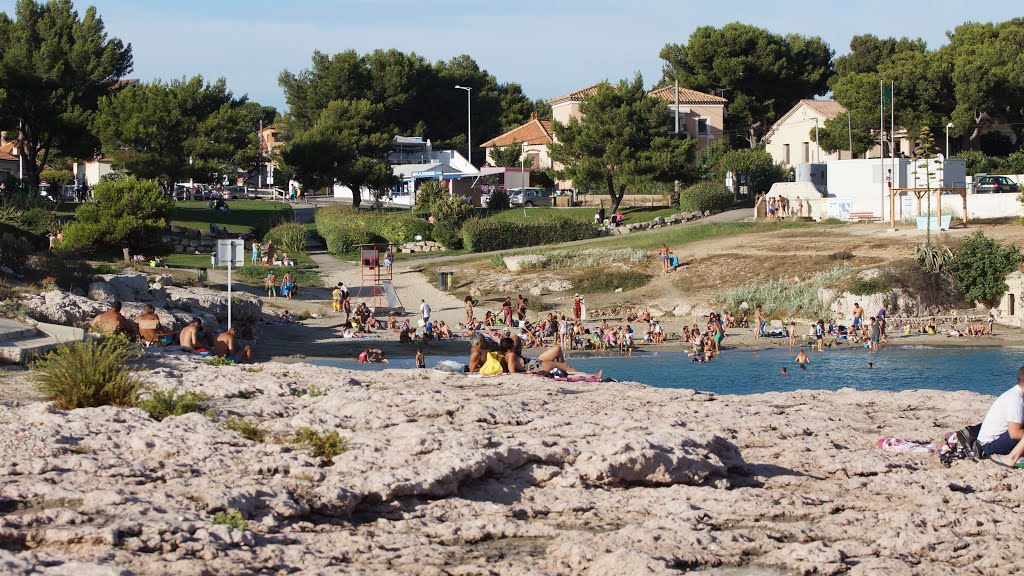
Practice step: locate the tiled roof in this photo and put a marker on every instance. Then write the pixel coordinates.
(579, 94)
(533, 132)
(687, 96)
(7, 151)
(828, 109)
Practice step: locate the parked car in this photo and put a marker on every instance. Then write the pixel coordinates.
(182, 191)
(996, 185)
(237, 192)
(529, 197)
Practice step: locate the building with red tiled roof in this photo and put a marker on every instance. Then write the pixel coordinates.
(534, 137)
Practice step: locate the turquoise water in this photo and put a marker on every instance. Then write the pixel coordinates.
(984, 370)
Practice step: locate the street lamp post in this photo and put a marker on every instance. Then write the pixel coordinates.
(948, 126)
(817, 142)
(469, 122)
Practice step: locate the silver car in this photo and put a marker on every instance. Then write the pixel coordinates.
(529, 197)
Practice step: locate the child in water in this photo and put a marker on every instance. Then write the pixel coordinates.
(421, 362)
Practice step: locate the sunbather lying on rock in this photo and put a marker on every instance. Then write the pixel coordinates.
(1002, 431)
(226, 346)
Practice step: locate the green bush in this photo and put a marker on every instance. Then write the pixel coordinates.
(399, 227)
(500, 200)
(480, 235)
(705, 196)
(290, 237)
(57, 176)
(980, 268)
(14, 247)
(89, 373)
(127, 212)
(428, 193)
(231, 518)
(450, 213)
(248, 429)
(162, 404)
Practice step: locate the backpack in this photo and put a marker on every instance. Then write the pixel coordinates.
(961, 445)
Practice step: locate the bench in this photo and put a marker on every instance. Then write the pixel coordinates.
(864, 217)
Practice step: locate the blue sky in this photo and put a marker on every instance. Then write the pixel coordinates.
(250, 41)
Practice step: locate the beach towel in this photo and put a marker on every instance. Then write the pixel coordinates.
(450, 366)
(894, 444)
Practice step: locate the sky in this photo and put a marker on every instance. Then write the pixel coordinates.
(550, 48)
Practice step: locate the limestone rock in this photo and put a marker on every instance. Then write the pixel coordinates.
(102, 291)
(57, 307)
(129, 287)
(524, 262)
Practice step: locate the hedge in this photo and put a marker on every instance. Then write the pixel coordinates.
(344, 228)
(705, 196)
(290, 237)
(480, 235)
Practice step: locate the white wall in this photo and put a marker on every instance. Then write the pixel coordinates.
(863, 183)
(814, 206)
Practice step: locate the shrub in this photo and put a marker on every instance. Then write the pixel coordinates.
(705, 196)
(398, 227)
(599, 280)
(290, 237)
(428, 193)
(479, 235)
(500, 200)
(218, 361)
(231, 518)
(980, 268)
(313, 391)
(450, 213)
(14, 248)
(325, 445)
(248, 429)
(57, 176)
(89, 373)
(868, 286)
(127, 212)
(162, 404)
(785, 296)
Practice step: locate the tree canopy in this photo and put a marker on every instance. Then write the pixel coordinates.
(507, 156)
(54, 67)
(761, 73)
(620, 141)
(348, 144)
(418, 97)
(178, 129)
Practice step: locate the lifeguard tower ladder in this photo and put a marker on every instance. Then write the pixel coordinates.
(375, 264)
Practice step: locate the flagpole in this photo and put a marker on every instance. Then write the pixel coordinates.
(892, 133)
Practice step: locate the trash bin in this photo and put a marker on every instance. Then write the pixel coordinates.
(444, 280)
(202, 276)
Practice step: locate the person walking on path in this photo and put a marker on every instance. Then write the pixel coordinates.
(664, 257)
(424, 311)
(577, 310)
(255, 253)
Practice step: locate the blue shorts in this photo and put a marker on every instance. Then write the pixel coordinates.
(856, 321)
(1001, 445)
(231, 357)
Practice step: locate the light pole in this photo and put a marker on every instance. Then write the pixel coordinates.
(948, 126)
(469, 122)
(522, 170)
(817, 142)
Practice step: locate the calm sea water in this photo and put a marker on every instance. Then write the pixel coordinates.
(984, 370)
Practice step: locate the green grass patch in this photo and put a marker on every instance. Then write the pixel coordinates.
(631, 214)
(231, 518)
(243, 217)
(868, 286)
(324, 445)
(90, 373)
(218, 361)
(599, 280)
(786, 298)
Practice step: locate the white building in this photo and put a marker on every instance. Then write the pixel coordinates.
(790, 140)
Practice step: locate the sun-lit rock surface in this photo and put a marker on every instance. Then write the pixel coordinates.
(516, 475)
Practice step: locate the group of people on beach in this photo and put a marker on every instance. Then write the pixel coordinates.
(779, 207)
(147, 329)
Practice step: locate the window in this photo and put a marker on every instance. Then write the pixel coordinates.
(785, 154)
(807, 152)
(702, 126)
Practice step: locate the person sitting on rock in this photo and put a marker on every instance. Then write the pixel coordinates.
(372, 356)
(112, 322)
(551, 360)
(479, 346)
(1002, 431)
(226, 346)
(189, 335)
(149, 325)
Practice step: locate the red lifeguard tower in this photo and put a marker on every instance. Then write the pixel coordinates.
(376, 266)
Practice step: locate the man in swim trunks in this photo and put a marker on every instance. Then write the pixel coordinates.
(149, 325)
(226, 346)
(189, 335)
(112, 322)
(802, 357)
(858, 319)
(664, 257)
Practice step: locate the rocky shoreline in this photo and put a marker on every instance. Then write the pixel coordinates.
(510, 475)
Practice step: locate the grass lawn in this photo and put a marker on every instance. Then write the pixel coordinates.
(243, 216)
(632, 214)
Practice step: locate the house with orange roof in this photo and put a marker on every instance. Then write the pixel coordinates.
(789, 140)
(8, 160)
(692, 113)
